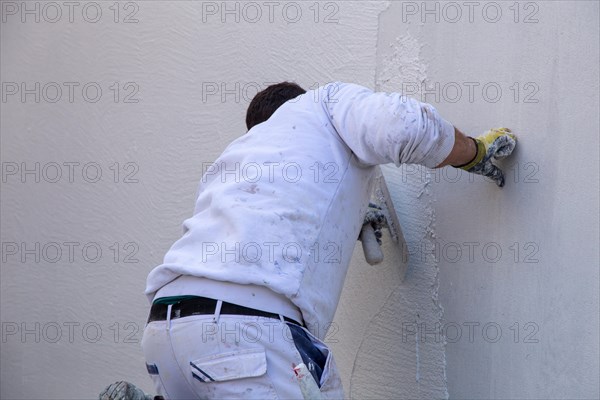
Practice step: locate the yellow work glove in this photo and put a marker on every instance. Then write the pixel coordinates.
(495, 144)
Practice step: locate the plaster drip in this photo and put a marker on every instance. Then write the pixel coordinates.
(418, 358)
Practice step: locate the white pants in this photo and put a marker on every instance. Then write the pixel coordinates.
(229, 357)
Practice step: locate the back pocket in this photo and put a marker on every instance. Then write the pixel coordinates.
(246, 363)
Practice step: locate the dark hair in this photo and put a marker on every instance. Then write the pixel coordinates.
(264, 104)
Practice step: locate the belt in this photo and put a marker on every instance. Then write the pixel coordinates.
(203, 306)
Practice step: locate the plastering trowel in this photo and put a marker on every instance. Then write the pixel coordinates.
(382, 214)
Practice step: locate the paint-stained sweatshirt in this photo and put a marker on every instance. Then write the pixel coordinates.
(283, 205)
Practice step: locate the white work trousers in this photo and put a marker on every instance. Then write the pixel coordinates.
(229, 357)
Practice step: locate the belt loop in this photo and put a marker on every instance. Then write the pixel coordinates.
(281, 318)
(217, 311)
(168, 325)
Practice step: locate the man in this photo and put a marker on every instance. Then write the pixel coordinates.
(249, 290)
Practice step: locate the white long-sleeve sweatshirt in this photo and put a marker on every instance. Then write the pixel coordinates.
(283, 206)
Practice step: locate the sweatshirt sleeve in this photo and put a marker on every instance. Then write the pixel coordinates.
(383, 128)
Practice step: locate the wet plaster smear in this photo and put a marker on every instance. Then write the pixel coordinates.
(392, 360)
(384, 336)
(511, 275)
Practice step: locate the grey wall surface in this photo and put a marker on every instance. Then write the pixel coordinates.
(109, 112)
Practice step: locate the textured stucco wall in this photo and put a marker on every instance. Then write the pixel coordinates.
(176, 61)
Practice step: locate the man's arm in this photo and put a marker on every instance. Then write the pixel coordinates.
(463, 152)
(383, 128)
(388, 127)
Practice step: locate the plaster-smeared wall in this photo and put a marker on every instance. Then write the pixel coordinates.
(539, 292)
(176, 61)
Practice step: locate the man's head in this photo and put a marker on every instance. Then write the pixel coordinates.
(264, 104)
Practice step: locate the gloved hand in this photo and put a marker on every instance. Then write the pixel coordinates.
(376, 218)
(125, 391)
(495, 144)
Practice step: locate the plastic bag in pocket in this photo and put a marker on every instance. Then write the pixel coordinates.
(314, 353)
